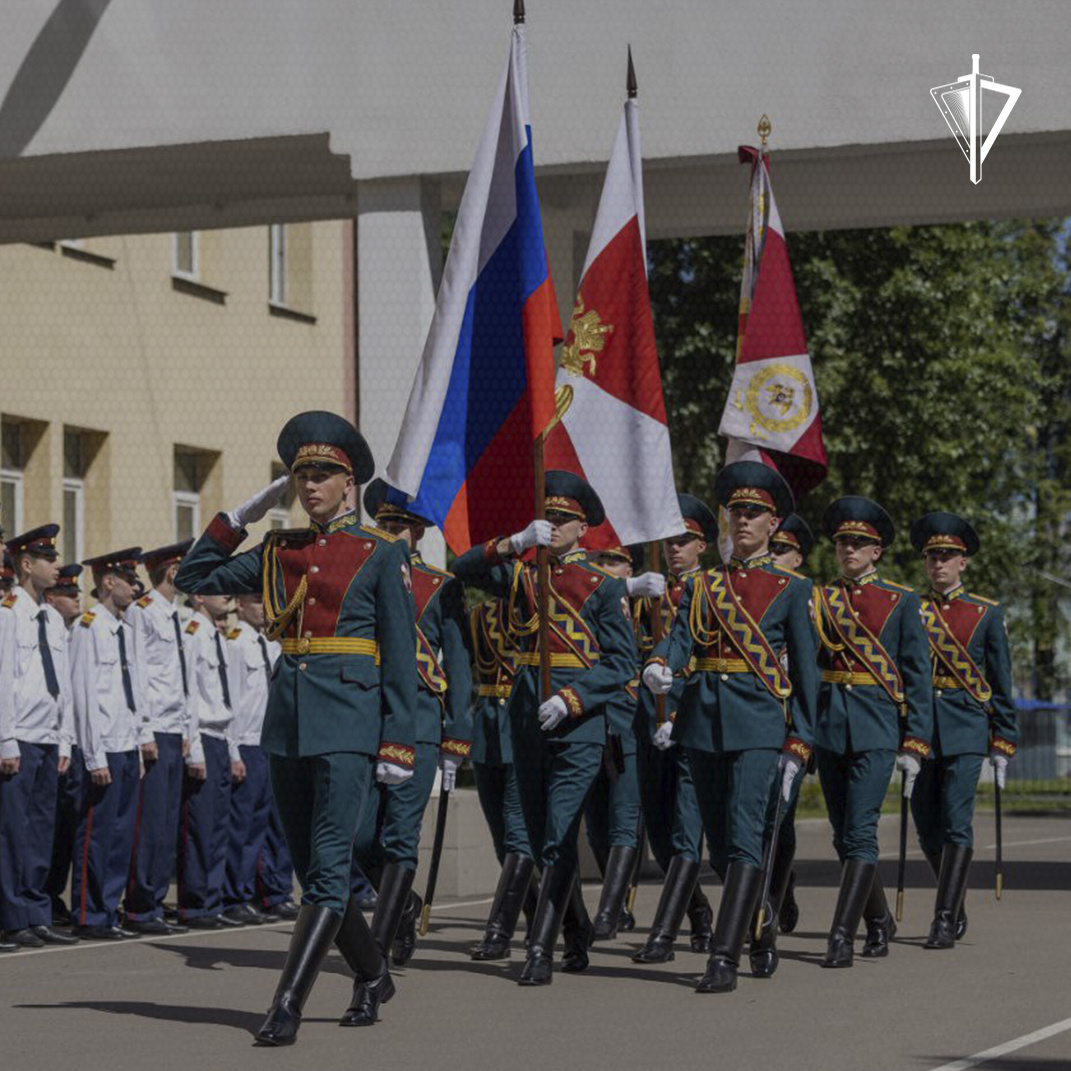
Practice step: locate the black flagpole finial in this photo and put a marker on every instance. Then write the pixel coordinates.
(631, 81)
(518, 12)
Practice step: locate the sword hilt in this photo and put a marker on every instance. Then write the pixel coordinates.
(630, 900)
(899, 905)
(759, 922)
(1000, 884)
(425, 918)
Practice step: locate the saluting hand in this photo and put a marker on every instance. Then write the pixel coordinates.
(264, 500)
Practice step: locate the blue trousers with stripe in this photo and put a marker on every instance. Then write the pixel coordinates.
(202, 843)
(68, 804)
(250, 808)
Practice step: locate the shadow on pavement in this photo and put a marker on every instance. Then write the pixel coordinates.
(1028, 875)
(248, 1022)
(214, 957)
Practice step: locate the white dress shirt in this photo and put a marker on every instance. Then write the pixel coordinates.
(28, 712)
(209, 715)
(103, 719)
(157, 636)
(248, 674)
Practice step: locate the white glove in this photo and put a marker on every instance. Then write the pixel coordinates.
(658, 678)
(663, 737)
(552, 713)
(388, 773)
(537, 534)
(651, 585)
(251, 511)
(910, 765)
(449, 765)
(790, 766)
(999, 763)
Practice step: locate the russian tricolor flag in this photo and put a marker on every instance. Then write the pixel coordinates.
(484, 389)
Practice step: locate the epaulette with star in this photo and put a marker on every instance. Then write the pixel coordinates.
(87, 619)
(234, 634)
(192, 627)
(893, 584)
(790, 572)
(982, 598)
(144, 601)
(9, 601)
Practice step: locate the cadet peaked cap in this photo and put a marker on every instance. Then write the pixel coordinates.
(124, 562)
(944, 531)
(325, 440)
(173, 552)
(568, 493)
(794, 533)
(387, 503)
(698, 517)
(40, 541)
(751, 482)
(67, 581)
(854, 515)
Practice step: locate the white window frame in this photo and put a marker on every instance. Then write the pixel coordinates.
(277, 264)
(194, 274)
(70, 484)
(188, 499)
(73, 243)
(13, 525)
(278, 518)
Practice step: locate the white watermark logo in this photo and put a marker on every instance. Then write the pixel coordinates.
(961, 105)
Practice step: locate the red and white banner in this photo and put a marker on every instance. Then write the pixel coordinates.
(615, 432)
(772, 411)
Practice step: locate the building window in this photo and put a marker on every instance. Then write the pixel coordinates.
(72, 531)
(11, 466)
(186, 495)
(277, 289)
(279, 517)
(186, 262)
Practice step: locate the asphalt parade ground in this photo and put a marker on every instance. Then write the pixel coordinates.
(1001, 1000)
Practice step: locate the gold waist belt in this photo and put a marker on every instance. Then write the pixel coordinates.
(946, 682)
(721, 665)
(494, 691)
(840, 676)
(558, 659)
(332, 645)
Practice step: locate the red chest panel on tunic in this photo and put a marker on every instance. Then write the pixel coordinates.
(330, 563)
(572, 586)
(755, 590)
(873, 606)
(962, 618)
(426, 585)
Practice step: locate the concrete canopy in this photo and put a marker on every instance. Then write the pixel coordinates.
(142, 116)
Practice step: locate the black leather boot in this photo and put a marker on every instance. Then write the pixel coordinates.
(951, 886)
(856, 879)
(577, 930)
(554, 889)
(314, 930)
(743, 887)
(372, 983)
(405, 938)
(392, 900)
(701, 916)
(514, 885)
(789, 916)
(677, 890)
(529, 909)
(763, 951)
(880, 924)
(617, 877)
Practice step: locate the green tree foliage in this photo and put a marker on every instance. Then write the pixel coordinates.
(942, 356)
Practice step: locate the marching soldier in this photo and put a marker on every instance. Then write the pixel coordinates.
(35, 748)
(108, 700)
(973, 713)
(743, 719)
(671, 809)
(558, 743)
(493, 652)
(389, 834)
(275, 871)
(158, 638)
(340, 708)
(65, 597)
(250, 658)
(874, 666)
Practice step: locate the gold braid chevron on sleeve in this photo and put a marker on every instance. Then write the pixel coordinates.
(450, 746)
(572, 701)
(950, 652)
(916, 746)
(399, 754)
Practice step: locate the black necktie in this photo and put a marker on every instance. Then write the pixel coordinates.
(223, 672)
(128, 688)
(181, 652)
(264, 654)
(46, 655)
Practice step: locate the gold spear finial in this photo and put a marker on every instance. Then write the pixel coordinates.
(765, 129)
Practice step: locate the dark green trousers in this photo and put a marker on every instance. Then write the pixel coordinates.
(320, 799)
(943, 801)
(854, 785)
(500, 801)
(670, 807)
(612, 814)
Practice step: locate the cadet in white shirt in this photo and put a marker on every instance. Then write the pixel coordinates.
(202, 845)
(35, 739)
(250, 658)
(160, 654)
(108, 699)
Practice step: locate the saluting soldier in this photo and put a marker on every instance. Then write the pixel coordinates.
(158, 640)
(343, 695)
(493, 653)
(875, 712)
(667, 792)
(108, 699)
(558, 743)
(973, 713)
(389, 834)
(35, 744)
(744, 719)
(65, 597)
